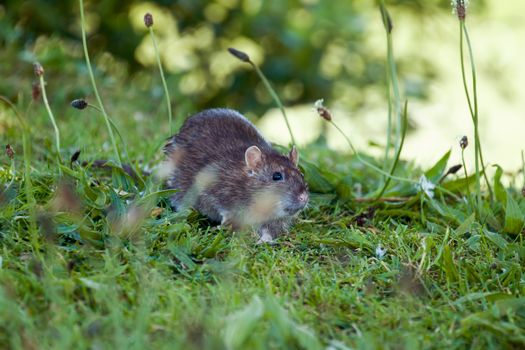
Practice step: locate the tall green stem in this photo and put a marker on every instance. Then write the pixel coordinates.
(473, 108)
(392, 89)
(475, 93)
(51, 117)
(367, 163)
(395, 88)
(465, 170)
(398, 151)
(275, 98)
(166, 92)
(92, 77)
(245, 58)
(472, 114)
(381, 171)
(389, 122)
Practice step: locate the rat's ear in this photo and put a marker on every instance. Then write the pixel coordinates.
(294, 156)
(252, 157)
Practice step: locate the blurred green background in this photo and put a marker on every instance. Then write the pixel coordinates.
(309, 49)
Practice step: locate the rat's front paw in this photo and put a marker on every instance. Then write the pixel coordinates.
(266, 237)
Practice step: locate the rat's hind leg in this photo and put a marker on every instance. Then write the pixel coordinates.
(206, 207)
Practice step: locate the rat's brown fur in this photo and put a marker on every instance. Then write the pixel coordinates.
(219, 172)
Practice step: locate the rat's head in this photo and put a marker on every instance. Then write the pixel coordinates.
(276, 181)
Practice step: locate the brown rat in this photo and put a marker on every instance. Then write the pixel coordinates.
(225, 169)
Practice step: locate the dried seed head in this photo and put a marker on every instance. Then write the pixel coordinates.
(463, 143)
(454, 169)
(322, 110)
(240, 55)
(387, 20)
(9, 151)
(459, 7)
(79, 103)
(39, 70)
(148, 19)
(36, 92)
(75, 156)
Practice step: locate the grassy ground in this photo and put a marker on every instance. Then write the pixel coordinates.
(88, 278)
(98, 259)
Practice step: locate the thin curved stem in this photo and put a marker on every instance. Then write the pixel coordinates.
(166, 92)
(94, 85)
(395, 88)
(275, 98)
(367, 163)
(381, 171)
(465, 170)
(52, 118)
(475, 93)
(473, 116)
(398, 151)
(137, 170)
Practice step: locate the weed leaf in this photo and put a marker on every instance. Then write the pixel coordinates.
(316, 181)
(514, 219)
(242, 323)
(436, 172)
(449, 265)
(499, 190)
(465, 225)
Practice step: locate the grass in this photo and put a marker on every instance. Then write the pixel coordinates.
(112, 266)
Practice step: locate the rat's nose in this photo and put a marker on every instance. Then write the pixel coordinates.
(303, 197)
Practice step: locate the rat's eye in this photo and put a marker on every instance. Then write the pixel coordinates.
(277, 176)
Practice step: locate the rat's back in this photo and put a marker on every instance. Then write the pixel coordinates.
(218, 131)
(214, 139)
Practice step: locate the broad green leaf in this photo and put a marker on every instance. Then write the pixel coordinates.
(350, 240)
(436, 172)
(489, 296)
(461, 183)
(465, 225)
(241, 324)
(473, 242)
(496, 238)
(316, 181)
(449, 265)
(344, 188)
(514, 219)
(148, 198)
(182, 257)
(121, 179)
(286, 328)
(117, 204)
(306, 338)
(320, 199)
(499, 189)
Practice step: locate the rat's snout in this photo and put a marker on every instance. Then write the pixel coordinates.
(296, 202)
(303, 198)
